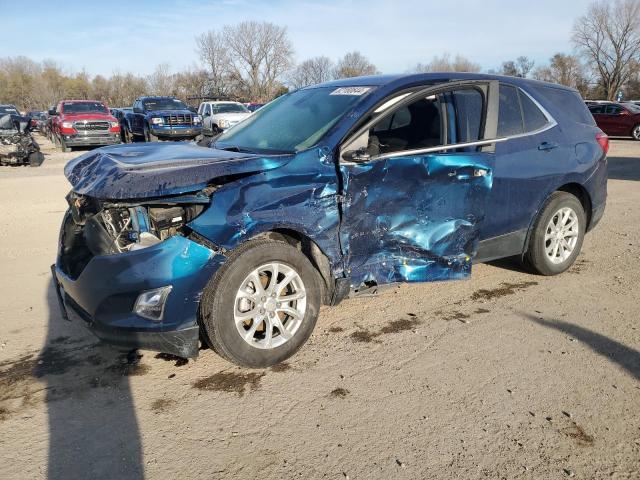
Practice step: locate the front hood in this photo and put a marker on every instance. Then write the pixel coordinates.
(74, 117)
(151, 170)
(162, 113)
(232, 116)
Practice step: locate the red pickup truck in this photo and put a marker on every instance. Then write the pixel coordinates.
(77, 123)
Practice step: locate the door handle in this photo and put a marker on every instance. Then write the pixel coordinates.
(548, 146)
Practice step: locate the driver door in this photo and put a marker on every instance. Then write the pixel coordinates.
(415, 181)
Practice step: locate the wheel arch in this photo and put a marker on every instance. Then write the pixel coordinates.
(309, 249)
(573, 188)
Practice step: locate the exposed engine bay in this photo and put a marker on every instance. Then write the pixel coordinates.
(17, 146)
(93, 227)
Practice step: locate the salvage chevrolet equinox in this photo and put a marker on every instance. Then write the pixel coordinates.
(327, 192)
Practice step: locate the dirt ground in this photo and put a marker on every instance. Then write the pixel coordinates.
(507, 375)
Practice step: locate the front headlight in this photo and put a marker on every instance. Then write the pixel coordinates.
(222, 123)
(67, 124)
(114, 124)
(197, 119)
(157, 121)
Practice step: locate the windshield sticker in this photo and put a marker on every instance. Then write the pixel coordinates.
(350, 91)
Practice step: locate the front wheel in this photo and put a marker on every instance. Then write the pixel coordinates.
(262, 305)
(557, 235)
(148, 136)
(635, 133)
(63, 145)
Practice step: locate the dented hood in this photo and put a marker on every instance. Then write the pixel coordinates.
(150, 170)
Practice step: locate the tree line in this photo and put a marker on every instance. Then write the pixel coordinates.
(254, 61)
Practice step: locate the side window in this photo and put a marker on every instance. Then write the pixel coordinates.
(464, 115)
(613, 110)
(533, 117)
(207, 109)
(597, 109)
(414, 126)
(509, 116)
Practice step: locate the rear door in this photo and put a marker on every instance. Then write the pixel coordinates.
(415, 181)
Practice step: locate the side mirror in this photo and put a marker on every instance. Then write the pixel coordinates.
(625, 112)
(359, 156)
(52, 112)
(137, 110)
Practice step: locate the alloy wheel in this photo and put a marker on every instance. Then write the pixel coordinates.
(561, 235)
(270, 305)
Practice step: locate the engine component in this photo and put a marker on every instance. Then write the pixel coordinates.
(17, 146)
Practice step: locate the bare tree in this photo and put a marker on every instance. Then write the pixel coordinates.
(608, 36)
(354, 64)
(444, 63)
(524, 66)
(521, 67)
(212, 49)
(312, 71)
(259, 53)
(566, 70)
(161, 81)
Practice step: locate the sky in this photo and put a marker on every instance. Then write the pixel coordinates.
(136, 35)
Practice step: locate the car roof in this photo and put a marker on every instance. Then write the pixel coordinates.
(81, 101)
(435, 77)
(212, 102)
(147, 97)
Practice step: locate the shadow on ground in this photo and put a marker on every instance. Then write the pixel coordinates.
(625, 357)
(624, 168)
(93, 430)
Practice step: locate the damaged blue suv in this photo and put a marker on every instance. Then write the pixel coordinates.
(330, 191)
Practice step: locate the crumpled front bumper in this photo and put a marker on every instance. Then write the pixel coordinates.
(104, 294)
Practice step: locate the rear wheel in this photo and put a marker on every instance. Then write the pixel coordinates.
(557, 235)
(262, 305)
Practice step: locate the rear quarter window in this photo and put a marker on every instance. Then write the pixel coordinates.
(569, 103)
(509, 116)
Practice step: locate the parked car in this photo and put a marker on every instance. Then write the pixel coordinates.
(330, 191)
(80, 123)
(618, 119)
(37, 118)
(121, 114)
(221, 115)
(163, 118)
(17, 146)
(254, 106)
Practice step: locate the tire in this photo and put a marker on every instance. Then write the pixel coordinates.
(540, 256)
(36, 159)
(148, 136)
(63, 146)
(635, 132)
(221, 304)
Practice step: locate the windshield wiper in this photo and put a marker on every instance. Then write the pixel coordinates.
(235, 148)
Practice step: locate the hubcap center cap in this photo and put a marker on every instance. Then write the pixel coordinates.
(270, 304)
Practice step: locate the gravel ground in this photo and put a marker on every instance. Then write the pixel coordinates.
(507, 375)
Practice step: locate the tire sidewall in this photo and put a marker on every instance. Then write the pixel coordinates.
(219, 303)
(557, 201)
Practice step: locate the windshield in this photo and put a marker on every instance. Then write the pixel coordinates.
(229, 108)
(633, 107)
(164, 104)
(4, 109)
(84, 107)
(293, 122)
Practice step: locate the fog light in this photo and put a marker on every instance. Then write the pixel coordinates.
(150, 304)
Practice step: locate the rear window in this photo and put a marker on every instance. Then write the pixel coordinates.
(569, 103)
(509, 116)
(533, 117)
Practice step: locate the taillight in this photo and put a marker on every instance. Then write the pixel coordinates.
(603, 141)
